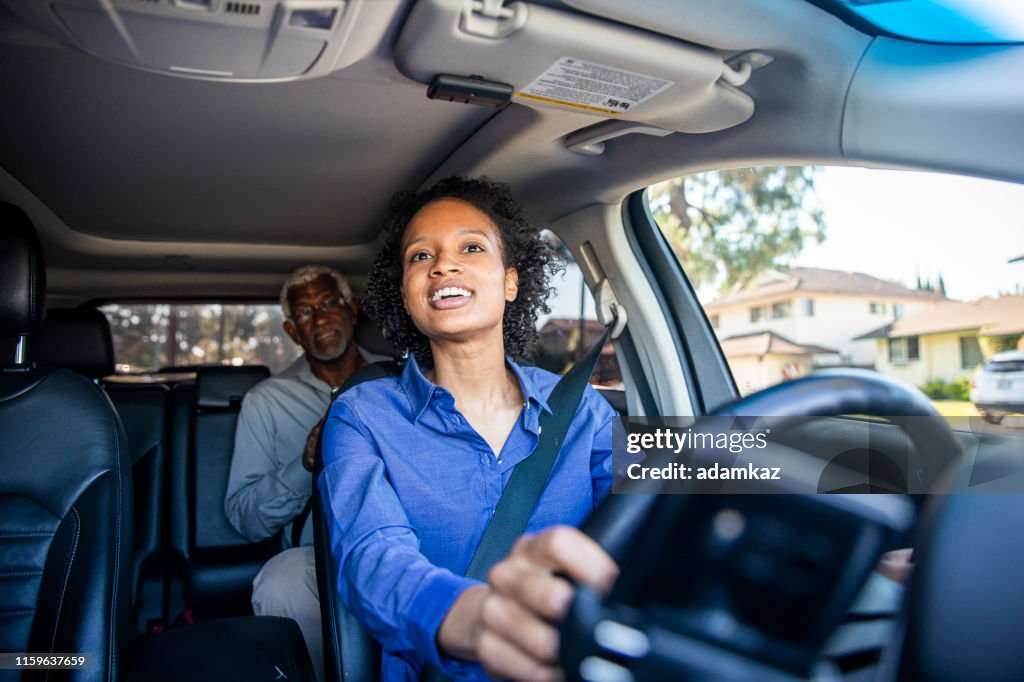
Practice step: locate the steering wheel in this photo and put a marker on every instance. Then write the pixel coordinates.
(621, 519)
(823, 394)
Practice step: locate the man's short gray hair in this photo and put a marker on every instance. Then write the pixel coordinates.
(306, 274)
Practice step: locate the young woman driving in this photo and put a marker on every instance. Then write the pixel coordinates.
(414, 465)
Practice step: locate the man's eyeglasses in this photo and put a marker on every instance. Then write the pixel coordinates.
(331, 305)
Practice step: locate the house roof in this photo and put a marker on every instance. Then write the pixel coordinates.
(990, 316)
(767, 343)
(772, 283)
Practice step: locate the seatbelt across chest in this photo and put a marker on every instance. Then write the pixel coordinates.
(518, 499)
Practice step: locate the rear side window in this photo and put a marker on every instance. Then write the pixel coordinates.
(1004, 366)
(149, 337)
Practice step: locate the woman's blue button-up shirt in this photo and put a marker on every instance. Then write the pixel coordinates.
(409, 487)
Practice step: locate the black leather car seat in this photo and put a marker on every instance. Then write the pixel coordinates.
(79, 339)
(65, 492)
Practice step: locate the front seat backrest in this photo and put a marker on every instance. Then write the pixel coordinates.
(79, 339)
(65, 494)
(350, 653)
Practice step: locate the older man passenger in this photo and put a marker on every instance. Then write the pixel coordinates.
(269, 483)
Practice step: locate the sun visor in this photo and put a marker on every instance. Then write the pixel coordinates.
(233, 40)
(553, 58)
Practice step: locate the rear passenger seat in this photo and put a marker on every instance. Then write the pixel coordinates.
(218, 565)
(187, 557)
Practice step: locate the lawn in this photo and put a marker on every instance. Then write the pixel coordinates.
(955, 408)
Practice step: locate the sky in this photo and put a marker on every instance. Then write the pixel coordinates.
(898, 224)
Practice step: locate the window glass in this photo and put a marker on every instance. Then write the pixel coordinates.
(572, 325)
(970, 352)
(904, 349)
(883, 275)
(1004, 365)
(944, 21)
(152, 336)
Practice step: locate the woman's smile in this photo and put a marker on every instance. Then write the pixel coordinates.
(449, 295)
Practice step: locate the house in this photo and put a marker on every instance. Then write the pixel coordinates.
(811, 315)
(949, 339)
(761, 359)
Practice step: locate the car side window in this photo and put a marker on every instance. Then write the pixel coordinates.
(569, 330)
(919, 276)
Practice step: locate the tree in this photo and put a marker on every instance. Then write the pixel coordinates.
(728, 226)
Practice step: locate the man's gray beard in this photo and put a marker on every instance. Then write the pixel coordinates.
(330, 354)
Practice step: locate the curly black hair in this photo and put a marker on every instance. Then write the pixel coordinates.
(523, 248)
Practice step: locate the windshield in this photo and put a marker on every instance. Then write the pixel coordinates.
(940, 21)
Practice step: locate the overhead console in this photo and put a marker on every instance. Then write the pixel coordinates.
(555, 58)
(232, 40)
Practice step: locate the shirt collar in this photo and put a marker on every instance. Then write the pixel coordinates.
(420, 390)
(530, 391)
(416, 387)
(304, 373)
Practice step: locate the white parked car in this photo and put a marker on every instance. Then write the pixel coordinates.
(997, 389)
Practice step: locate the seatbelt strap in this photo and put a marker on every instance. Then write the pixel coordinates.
(518, 499)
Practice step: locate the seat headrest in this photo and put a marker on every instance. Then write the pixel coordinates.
(369, 337)
(77, 339)
(224, 387)
(22, 274)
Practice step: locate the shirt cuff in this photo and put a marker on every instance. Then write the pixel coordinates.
(431, 604)
(295, 476)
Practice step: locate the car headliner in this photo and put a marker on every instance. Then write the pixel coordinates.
(149, 184)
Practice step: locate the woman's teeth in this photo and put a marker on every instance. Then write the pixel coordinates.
(449, 292)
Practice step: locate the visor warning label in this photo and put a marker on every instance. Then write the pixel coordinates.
(585, 85)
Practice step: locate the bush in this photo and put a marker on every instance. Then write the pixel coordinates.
(959, 389)
(939, 389)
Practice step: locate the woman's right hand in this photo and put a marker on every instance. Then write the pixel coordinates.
(517, 637)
